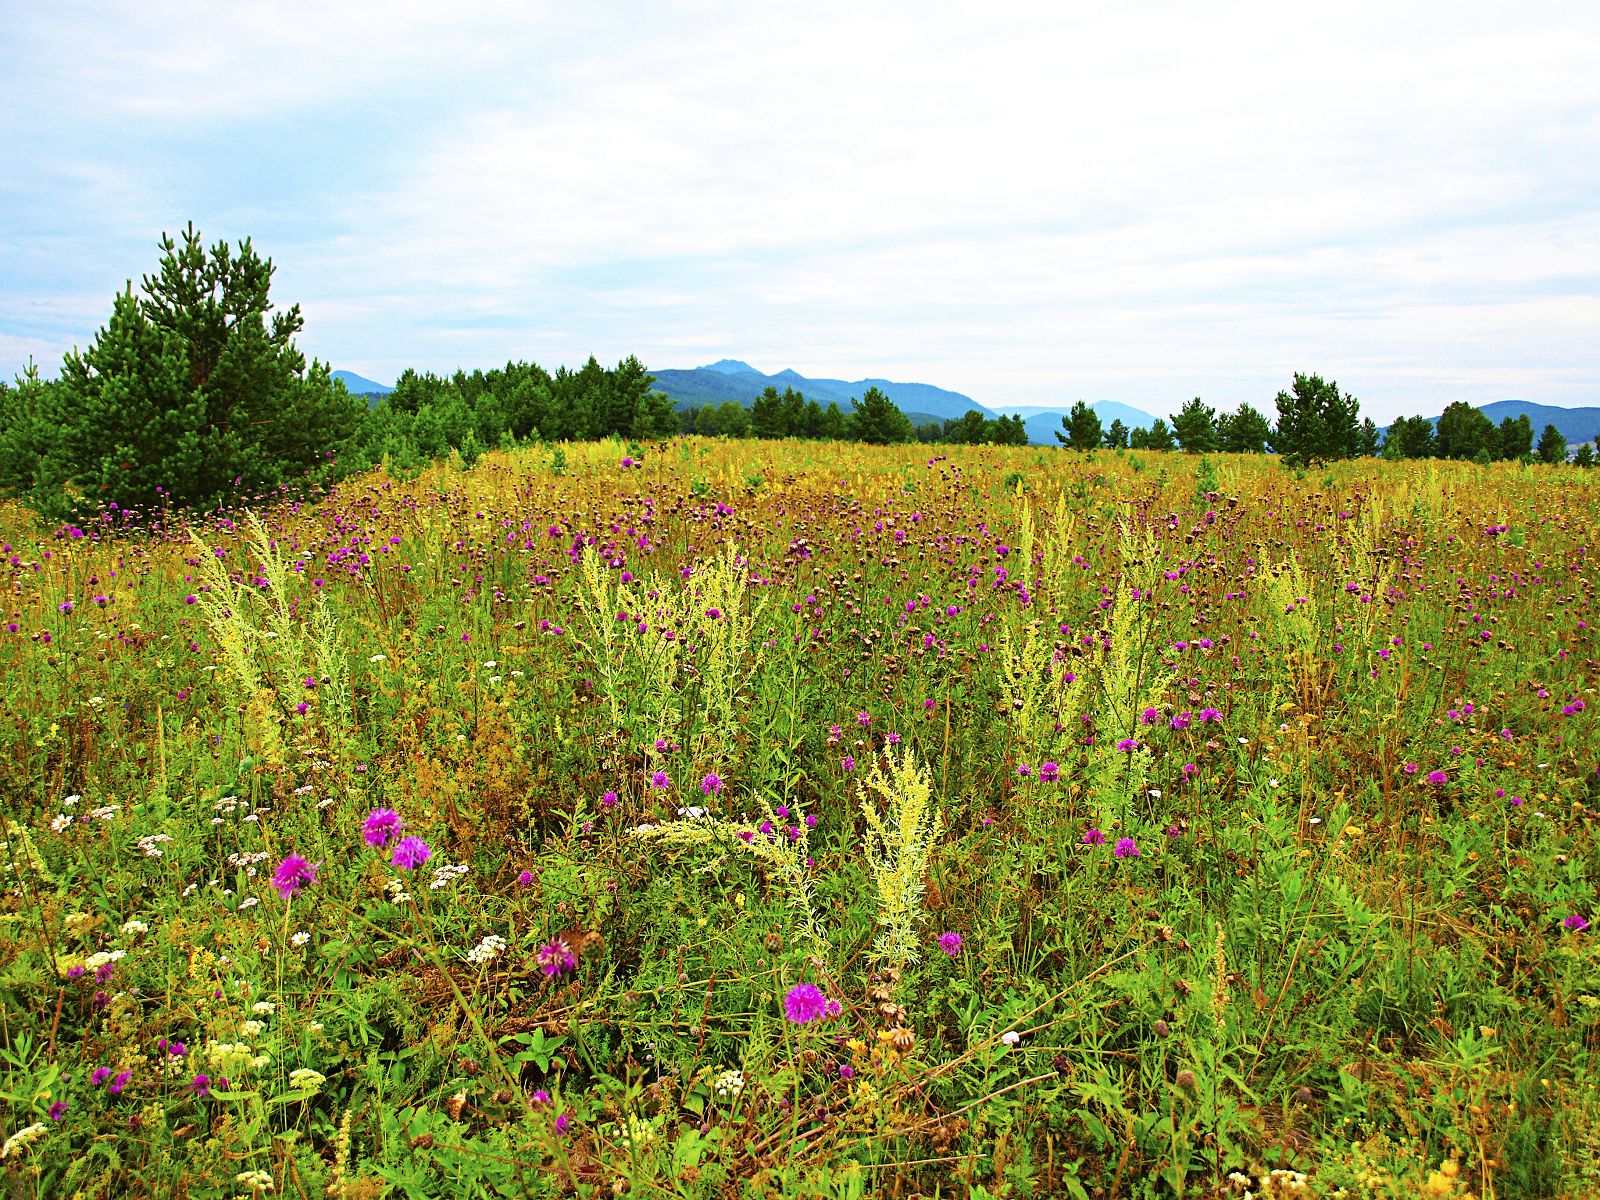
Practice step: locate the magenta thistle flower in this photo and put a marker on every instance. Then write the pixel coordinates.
(1094, 838)
(411, 853)
(200, 1085)
(1575, 923)
(525, 880)
(804, 1004)
(293, 873)
(120, 1082)
(58, 1110)
(1049, 772)
(1126, 848)
(540, 1098)
(711, 784)
(1128, 745)
(381, 825)
(659, 780)
(555, 958)
(101, 1074)
(950, 943)
(848, 762)
(1438, 778)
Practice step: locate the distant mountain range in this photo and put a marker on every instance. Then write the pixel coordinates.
(730, 379)
(359, 385)
(1576, 424)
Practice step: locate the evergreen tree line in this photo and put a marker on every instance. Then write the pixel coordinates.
(1319, 423)
(194, 392)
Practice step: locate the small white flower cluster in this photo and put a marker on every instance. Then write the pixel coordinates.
(22, 1139)
(151, 844)
(729, 1084)
(252, 1028)
(256, 1181)
(229, 1058)
(397, 891)
(134, 928)
(103, 958)
(446, 874)
(248, 860)
(106, 813)
(694, 813)
(263, 1008)
(1010, 1037)
(487, 950)
(75, 919)
(305, 789)
(305, 1077)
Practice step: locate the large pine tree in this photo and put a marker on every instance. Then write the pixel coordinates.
(194, 391)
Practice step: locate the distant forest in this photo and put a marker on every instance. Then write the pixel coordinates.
(194, 393)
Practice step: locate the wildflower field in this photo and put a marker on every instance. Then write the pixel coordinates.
(724, 819)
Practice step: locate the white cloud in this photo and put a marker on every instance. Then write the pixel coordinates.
(1030, 203)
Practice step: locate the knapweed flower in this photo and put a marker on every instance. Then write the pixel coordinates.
(381, 825)
(120, 1082)
(1128, 745)
(804, 1004)
(101, 1074)
(1575, 923)
(1438, 778)
(711, 784)
(58, 1110)
(200, 1085)
(609, 800)
(659, 780)
(1094, 838)
(1126, 848)
(411, 853)
(1049, 772)
(525, 880)
(950, 943)
(293, 873)
(555, 958)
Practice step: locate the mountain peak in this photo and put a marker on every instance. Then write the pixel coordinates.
(730, 366)
(789, 375)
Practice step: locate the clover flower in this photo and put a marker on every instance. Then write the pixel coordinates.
(381, 825)
(804, 1004)
(411, 853)
(293, 873)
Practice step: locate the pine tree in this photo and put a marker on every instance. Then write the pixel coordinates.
(1080, 428)
(1316, 422)
(1196, 427)
(194, 390)
(1116, 435)
(878, 421)
(1246, 431)
(1552, 445)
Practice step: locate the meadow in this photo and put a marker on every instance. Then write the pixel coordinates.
(732, 818)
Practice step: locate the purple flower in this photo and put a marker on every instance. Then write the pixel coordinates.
(540, 1098)
(1575, 923)
(120, 1082)
(200, 1085)
(555, 959)
(411, 853)
(848, 762)
(293, 873)
(804, 1004)
(381, 825)
(525, 880)
(563, 1122)
(609, 800)
(1126, 848)
(1049, 772)
(659, 780)
(101, 1074)
(1128, 745)
(950, 943)
(711, 784)
(1094, 838)
(58, 1110)
(1438, 778)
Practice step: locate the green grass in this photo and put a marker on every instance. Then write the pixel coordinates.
(1319, 963)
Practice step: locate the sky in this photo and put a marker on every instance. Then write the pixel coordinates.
(1031, 204)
